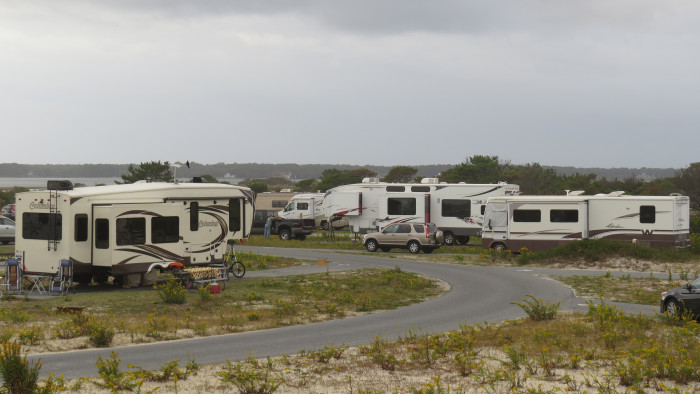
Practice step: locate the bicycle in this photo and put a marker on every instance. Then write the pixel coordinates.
(233, 266)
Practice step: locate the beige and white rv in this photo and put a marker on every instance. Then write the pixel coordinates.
(543, 222)
(456, 208)
(129, 229)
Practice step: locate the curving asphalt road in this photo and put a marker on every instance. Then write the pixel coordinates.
(477, 294)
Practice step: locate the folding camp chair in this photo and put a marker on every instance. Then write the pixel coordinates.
(13, 277)
(62, 282)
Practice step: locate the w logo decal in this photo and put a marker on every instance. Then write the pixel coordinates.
(647, 233)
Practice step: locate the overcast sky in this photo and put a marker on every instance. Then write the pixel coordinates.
(607, 83)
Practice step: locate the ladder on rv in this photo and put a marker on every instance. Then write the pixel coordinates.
(53, 222)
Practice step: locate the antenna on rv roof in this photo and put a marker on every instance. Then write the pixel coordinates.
(175, 166)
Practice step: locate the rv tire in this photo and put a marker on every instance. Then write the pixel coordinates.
(499, 247)
(414, 247)
(371, 245)
(285, 234)
(450, 238)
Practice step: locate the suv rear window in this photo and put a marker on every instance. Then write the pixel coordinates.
(432, 228)
(418, 228)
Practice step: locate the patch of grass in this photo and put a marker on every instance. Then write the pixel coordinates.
(601, 249)
(645, 291)
(244, 305)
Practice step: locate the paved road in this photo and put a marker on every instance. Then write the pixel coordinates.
(477, 294)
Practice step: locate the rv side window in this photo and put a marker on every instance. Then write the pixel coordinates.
(563, 216)
(279, 203)
(395, 188)
(401, 206)
(647, 214)
(81, 227)
(527, 215)
(102, 233)
(42, 226)
(302, 206)
(165, 229)
(234, 214)
(456, 208)
(483, 210)
(194, 216)
(131, 231)
(420, 189)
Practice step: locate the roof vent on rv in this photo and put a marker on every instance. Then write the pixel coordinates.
(616, 194)
(575, 192)
(370, 180)
(430, 180)
(59, 185)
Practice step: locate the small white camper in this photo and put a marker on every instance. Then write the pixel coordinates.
(129, 229)
(309, 206)
(543, 222)
(456, 208)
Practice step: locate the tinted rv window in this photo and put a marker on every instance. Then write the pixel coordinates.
(165, 229)
(45, 226)
(527, 215)
(401, 206)
(194, 216)
(302, 206)
(279, 203)
(81, 227)
(456, 208)
(395, 188)
(421, 189)
(235, 212)
(647, 214)
(563, 216)
(483, 209)
(131, 231)
(102, 233)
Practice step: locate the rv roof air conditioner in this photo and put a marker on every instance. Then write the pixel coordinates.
(430, 180)
(575, 192)
(370, 180)
(59, 185)
(616, 194)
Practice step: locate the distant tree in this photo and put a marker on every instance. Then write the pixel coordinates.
(332, 177)
(401, 174)
(258, 187)
(306, 185)
(578, 182)
(476, 169)
(152, 171)
(534, 179)
(209, 179)
(688, 180)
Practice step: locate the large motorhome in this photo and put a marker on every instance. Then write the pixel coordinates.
(456, 208)
(543, 222)
(128, 229)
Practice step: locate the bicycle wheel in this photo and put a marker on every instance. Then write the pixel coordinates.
(237, 269)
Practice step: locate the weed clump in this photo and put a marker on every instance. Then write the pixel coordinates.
(172, 292)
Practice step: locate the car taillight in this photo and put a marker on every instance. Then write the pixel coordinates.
(427, 232)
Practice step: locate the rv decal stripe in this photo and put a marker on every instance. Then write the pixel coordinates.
(139, 212)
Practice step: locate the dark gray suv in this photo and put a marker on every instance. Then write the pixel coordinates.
(412, 236)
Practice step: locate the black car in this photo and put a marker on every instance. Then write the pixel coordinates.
(686, 297)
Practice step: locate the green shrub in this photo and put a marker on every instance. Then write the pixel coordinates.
(538, 310)
(252, 376)
(18, 376)
(172, 292)
(101, 335)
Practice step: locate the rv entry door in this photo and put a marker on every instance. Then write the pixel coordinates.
(496, 221)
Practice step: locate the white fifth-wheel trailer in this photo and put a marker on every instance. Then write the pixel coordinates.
(543, 222)
(456, 208)
(128, 229)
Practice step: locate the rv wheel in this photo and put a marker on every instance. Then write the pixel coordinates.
(499, 247)
(449, 238)
(325, 226)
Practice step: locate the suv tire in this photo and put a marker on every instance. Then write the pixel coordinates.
(414, 247)
(371, 245)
